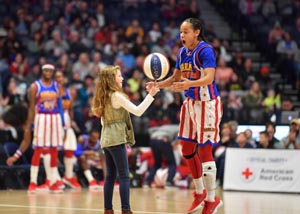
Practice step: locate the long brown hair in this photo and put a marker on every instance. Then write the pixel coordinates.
(105, 86)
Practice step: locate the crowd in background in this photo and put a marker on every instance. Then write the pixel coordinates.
(81, 37)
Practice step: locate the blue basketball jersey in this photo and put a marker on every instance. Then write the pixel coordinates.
(191, 64)
(47, 98)
(66, 100)
(86, 145)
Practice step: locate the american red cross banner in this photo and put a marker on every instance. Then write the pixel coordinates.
(266, 170)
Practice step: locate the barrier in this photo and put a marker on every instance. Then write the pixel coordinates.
(265, 170)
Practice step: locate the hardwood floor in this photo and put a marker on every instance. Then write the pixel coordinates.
(144, 201)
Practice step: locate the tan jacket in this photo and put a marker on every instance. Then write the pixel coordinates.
(117, 128)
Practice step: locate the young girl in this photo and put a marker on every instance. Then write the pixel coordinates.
(112, 105)
(200, 114)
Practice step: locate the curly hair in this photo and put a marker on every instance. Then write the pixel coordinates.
(104, 87)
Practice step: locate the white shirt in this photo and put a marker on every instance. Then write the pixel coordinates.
(119, 100)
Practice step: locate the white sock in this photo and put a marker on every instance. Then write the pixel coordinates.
(34, 170)
(199, 185)
(68, 167)
(46, 161)
(88, 175)
(209, 178)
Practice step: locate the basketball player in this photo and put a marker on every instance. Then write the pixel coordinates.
(200, 113)
(89, 153)
(46, 116)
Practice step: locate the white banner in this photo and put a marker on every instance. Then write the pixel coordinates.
(265, 170)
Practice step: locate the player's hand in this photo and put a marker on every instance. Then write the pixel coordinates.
(153, 90)
(10, 161)
(184, 84)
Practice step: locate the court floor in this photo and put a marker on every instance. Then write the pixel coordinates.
(144, 201)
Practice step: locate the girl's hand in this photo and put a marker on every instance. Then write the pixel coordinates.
(149, 85)
(153, 90)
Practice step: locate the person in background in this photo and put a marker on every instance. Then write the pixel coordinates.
(161, 143)
(241, 141)
(274, 143)
(45, 116)
(292, 140)
(263, 142)
(90, 154)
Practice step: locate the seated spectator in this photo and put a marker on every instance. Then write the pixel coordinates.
(127, 58)
(268, 8)
(246, 73)
(220, 50)
(219, 152)
(274, 143)
(250, 138)
(56, 46)
(275, 35)
(134, 30)
(271, 103)
(292, 140)
(241, 141)
(287, 51)
(19, 67)
(223, 72)
(155, 32)
(287, 106)
(263, 142)
(237, 62)
(83, 66)
(253, 104)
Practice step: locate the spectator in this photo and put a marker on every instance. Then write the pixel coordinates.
(253, 104)
(134, 30)
(127, 58)
(155, 32)
(241, 141)
(56, 46)
(83, 66)
(274, 143)
(76, 46)
(292, 140)
(287, 51)
(263, 142)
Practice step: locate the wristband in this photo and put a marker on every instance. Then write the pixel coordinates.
(18, 154)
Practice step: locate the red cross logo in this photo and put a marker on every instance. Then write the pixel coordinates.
(247, 173)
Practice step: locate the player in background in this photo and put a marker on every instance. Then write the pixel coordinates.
(89, 153)
(200, 114)
(45, 115)
(69, 145)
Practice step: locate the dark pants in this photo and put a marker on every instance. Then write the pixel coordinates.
(162, 151)
(116, 161)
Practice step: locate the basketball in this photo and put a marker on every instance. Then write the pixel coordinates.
(156, 66)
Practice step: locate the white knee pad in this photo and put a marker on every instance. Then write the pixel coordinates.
(209, 175)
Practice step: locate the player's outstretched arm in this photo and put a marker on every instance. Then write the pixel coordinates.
(176, 76)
